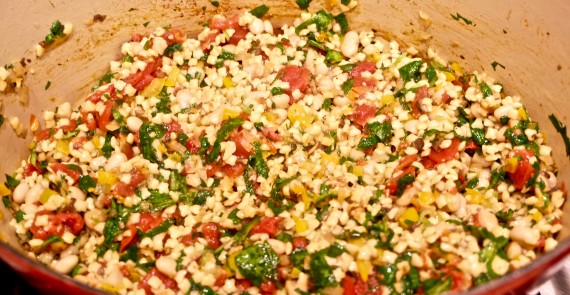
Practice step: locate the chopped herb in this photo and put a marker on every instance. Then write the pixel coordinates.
(1, 120)
(284, 237)
(303, 4)
(347, 67)
(277, 91)
(159, 201)
(107, 149)
(327, 104)
(497, 175)
(411, 70)
(333, 57)
(215, 3)
(342, 22)
(11, 182)
(345, 2)
(55, 30)
(260, 163)
(227, 55)
(258, 263)
(275, 202)
(227, 126)
(233, 216)
(148, 133)
(459, 17)
(478, 135)
(163, 227)
(7, 203)
(471, 184)
(322, 20)
(86, 183)
(403, 182)
(106, 79)
(431, 75)
(48, 84)
(321, 273)
(485, 89)
(131, 254)
(435, 287)
(347, 85)
(50, 240)
(169, 51)
(259, 11)
(561, 128)
(19, 215)
(495, 64)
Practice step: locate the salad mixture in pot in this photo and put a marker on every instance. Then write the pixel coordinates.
(306, 159)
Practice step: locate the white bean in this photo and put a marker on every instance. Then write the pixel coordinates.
(281, 101)
(20, 192)
(94, 217)
(514, 249)
(277, 245)
(33, 195)
(115, 162)
(166, 265)
(134, 123)
(66, 264)
(326, 84)
(185, 98)
(256, 26)
(349, 46)
(76, 193)
(526, 235)
(487, 219)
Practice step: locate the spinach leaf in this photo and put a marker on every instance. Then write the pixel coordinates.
(260, 163)
(107, 149)
(321, 273)
(148, 133)
(86, 183)
(303, 4)
(411, 70)
(342, 22)
(50, 240)
(485, 89)
(436, 287)
(11, 182)
(403, 182)
(169, 51)
(163, 227)
(333, 57)
(258, 263)
(382, 131)
(275, 202)
(322, 19)
(431, 75)
(478, 135)
(259, 11)
(159, 201)
(227, 127)
(347, 85)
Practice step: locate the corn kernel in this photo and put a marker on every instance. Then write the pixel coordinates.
(426, 198)
(387, 99)
(358, 170)
(536, 216)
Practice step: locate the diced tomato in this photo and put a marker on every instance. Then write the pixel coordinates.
(416, 104)
(69, 127)
(363, 113)
(297, 77)
(393, 183)
(524, 170)
(188, 239)
(104, 118)
(348, 286)
(60, 167)
(170, 128)
(243, 284)
(212, 235)
(239, 34)
(130, 240)
(148, 221)
(57, 223)
(89, 121)
(44, 134)
(29, 170)
(168, 282)
(212, 169)
(221, 279)
(219, 22)
(205, 44)
(244, 143)
(362, 84)
(271, 133)
(268, 287)
(472, 146)
(122, 189)
(439, 156)
(193, 145)
(300, 242)
(136, 37)
(445, 98)
(405, 162)
(137, 177)
(234, 171)
(97, 95)
(459, 280)
(78, 142)
(174, 35)
(141, 79)
(267, 225)
(144, 82)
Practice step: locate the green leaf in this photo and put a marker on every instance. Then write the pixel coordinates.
(107, 149)
(561, 128)
(258, 263)
(436, 287)
(169, 51)
(347, 67)
(403, 182)
(485, 89)
(259, 11)
(345, 2)
(111, 230)
(244, 232)
(411, 70)
(342, 21)
(7, 202)
(431, 75)
(327, 104)
(48, 84)
(86, 183)
(284, 237)
(298, 257)
(459, 17)
(277, 91)
(131, 254)
(321, 273)
(227, 55)
(163, 227)
(55, 31)
(147, 134)
(347, 85)
(367, 142)
(472, 183)
(382, 131)
(333, 57)
(50, 240)
(19, 216)
(478, 135)
(494, 64)
(1, 120)
(104, 80)
(159, 201)
(322, 19)
(260, 163)
(11, 182)
(233, 216)
(303, 4)
(227, 127)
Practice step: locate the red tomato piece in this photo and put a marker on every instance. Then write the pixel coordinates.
(141, 79)
(268, 287)
(106, 117)
(244, 143)
(174, 35)
(29, 170)
(267, 225)
(363, 113)
(459, 281)
(348, 286)
(239, 34)
(205, 45)
(137, 177)
(72, 220)
(69, 127)
(524, 170)
(57, 223)
(243, 284)
(172, 127)
(393, 183)
(300, 242)
(212, 169)
(362, 84)
(212, 235)
(370, 287)
(44, 134)
(297, 77)
(472, 146)
(148, 221)
(271, 133)
(188, 239)
(193, 145)
(136, 37)
(219, 22)
(447, 154)
(59, 167)
(416, 104)
(122, 189)
(221, 279)
(405, 162)
(234, 171)
(154, 272)
(130, 240)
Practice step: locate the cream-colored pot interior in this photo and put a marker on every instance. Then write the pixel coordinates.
(530, 38)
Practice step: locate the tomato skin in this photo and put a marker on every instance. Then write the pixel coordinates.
(239, 34)
(472, 146)
(104, 118)
(168, 282)
(122, 189)
(348, 286)
(60, 167)
(193, 145)
(148, 221)
(524, 171)
(300, 243)
(141, 79)
(447, 154)
(57, 223)
(212, 169)
(234, 171)
(267, 225)
(459, 281)
(393, 183)
(130, 240)
(362, 84)
(244, 143)
(416, 104)
(136, 37)
(268, 287)
(363, 113)
(212, 235)
(30, 169)
(243, 284)
(271, 134)
(137, 177)
(174, 35)
(297, 77)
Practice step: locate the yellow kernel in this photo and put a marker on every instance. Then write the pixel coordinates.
(364, 268)
(108, 178)
(229, 113)
(4, 191)
(172, 77)
(387, 99)
(409, 215)
(426, 198)
(358, 170)
(228, 83)
(301, 225)
(154, 88)
(474, 196)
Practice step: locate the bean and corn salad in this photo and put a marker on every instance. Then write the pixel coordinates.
(306, 159)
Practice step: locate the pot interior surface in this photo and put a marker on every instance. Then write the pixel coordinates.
(530, 39)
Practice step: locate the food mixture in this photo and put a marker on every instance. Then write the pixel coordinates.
(306, 159)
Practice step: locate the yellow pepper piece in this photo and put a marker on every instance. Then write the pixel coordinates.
(511, 165)
(522, 114)
(295, 272)
(426, 198)
(357, 242)
(62, 146)
(297, 113)
(409, 215)
(358, 170)
(4, 191)
(154, 88)
(108, 178)
(301, 225)
(387, 99)
(536, 216)
(172, 77)
(364, 268)
(46, 195)
(270, 117)
(456, 68)
(474, 196)
(449, 76)
(229, 113)
(228, 82)
(232, 262)
(327, 159)
(96, 141)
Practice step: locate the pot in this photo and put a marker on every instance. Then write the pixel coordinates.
(528, 38)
